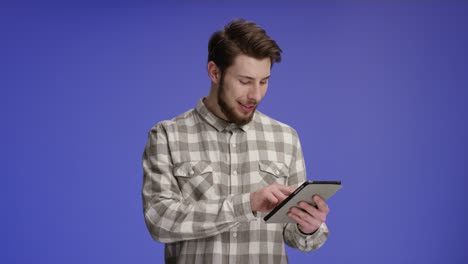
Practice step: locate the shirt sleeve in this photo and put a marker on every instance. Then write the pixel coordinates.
(168, 216)
(293, 237)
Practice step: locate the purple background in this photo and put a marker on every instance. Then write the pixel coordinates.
(377, 93)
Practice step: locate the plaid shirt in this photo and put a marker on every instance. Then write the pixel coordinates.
(199, 172)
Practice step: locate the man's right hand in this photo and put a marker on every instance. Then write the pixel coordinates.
(268, 197)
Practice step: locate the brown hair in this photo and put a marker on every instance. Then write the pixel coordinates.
(241, 37)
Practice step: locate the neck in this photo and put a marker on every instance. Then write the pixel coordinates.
(211, 102)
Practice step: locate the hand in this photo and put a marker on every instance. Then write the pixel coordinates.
(308, 217)
(268, 197)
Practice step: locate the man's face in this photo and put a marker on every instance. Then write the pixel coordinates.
(242, 87)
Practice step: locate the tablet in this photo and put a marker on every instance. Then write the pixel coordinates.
(324, 189)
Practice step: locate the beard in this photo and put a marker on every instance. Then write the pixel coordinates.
(230, 111)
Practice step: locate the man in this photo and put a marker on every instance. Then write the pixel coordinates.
(212, 173)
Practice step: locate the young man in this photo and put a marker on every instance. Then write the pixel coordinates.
(212, 173)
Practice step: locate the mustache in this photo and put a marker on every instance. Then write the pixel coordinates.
(251, 102)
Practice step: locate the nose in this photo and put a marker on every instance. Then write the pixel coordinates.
(255, 93)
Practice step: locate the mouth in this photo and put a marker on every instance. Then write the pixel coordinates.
(246, 108)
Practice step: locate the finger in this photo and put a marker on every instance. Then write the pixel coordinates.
(315, 217)
(271, 198)
(279, 195)
(321, 204)
(299, 212)
(303, 219)
(298, 220)
(308, 208)
(287, 190)
(313, 212)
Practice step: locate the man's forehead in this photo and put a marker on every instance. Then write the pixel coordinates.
(246, 66)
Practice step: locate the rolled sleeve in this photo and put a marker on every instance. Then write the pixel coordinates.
(295, 238)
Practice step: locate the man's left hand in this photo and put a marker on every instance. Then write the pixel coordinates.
(308, 217)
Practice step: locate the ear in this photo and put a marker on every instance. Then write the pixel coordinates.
(214, 72)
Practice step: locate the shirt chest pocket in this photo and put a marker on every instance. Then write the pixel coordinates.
(195, 179)
(273, 171)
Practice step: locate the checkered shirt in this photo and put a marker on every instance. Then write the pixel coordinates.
(199, 172)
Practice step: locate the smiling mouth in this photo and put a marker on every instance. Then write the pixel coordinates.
(247, 108)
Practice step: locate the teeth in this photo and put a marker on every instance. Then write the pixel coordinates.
(247, 106)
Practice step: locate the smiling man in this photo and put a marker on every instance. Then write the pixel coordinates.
(212, 173)
(236, 92)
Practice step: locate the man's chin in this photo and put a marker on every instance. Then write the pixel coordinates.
(243, 120)
(235, 115)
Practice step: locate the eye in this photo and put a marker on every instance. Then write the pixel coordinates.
(244, 82)
(264, 82)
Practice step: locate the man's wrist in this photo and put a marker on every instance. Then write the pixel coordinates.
(304, 233)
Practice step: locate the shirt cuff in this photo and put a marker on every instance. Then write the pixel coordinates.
(242, 209)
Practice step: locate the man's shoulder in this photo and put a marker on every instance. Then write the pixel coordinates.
(185, 119)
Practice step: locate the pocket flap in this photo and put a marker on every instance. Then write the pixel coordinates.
(191, 168)
(278, 169)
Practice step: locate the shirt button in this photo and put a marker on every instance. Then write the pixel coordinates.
(234, 173)
(192, 172)
(277, 172)
(233, 145)
(234, 234)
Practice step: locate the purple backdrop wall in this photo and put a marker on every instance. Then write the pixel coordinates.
(377, 93)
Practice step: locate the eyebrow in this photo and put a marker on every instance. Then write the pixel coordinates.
(251, 78)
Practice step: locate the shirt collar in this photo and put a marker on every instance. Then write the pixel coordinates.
(217, 122)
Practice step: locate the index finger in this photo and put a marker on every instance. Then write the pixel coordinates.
(285, 189)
